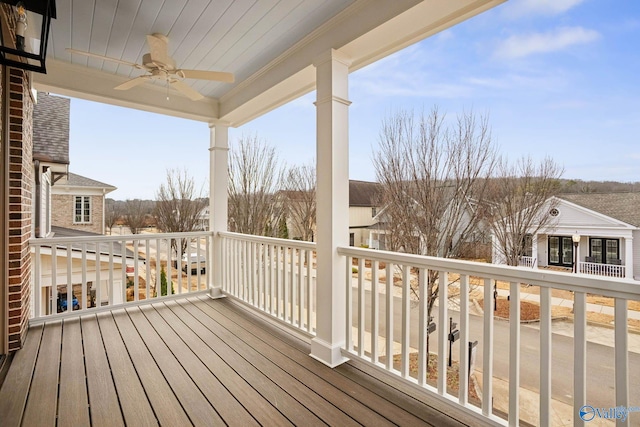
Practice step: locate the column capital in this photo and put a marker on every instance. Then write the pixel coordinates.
(216, 123)
(331, 55)
(333, 98)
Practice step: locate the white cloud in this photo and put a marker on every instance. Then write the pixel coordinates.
(519, 46)
(543, 7)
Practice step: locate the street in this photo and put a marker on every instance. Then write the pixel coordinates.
(600, 358)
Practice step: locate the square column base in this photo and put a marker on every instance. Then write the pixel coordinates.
(216, 293)
(326, 353)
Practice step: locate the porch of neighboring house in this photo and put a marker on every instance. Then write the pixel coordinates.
(193, 361)
(591, 254)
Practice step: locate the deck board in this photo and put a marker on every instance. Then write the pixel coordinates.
(103, 398)
(193, 361)
(226, 390)
(73, 410)
(165, 404)
(134, 404)
(41, 409)
(296, 412)
(359, 400)
(15, 390)
(312, 371)
(188, 394)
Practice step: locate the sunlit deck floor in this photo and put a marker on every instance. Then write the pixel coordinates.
(191, 362)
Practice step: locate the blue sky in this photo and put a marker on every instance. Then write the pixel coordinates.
(556, 77)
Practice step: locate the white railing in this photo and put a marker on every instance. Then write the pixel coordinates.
(72, 275)
(527, 261)
(609, 270)
(375, 337)
(275, 276)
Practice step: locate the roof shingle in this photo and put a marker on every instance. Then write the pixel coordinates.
(51, 129)
(624, 207)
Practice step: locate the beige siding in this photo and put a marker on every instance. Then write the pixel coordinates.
(359, 219)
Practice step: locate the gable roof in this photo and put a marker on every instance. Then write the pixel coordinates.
(51, 129)
(363, 193)
(75, 180)
(624, 207)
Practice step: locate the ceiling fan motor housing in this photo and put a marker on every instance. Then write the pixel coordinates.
(151, 64)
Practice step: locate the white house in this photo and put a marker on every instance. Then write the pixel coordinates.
(363, 207)
(606, 228)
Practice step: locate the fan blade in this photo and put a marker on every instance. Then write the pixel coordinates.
(191, 93)
(218, 76)
(105, 58)
(132, 83)
(158, 49)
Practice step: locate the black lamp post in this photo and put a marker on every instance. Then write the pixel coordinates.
(576, 241)
(25, 33)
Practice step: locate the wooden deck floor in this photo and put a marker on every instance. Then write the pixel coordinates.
(190, 362)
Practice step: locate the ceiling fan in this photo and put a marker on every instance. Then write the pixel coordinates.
(160, 66)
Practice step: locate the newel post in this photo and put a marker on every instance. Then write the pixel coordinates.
(218, 182)
(628, 257)
(332, 132)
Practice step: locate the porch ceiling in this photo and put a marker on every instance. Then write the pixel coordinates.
(269, 45)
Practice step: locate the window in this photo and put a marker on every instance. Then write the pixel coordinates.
(560, 251)
(82, 209)
(527, 245)
(374, 212)
(604, 251)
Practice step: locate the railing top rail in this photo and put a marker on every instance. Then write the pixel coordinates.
(605, 286)
(48, 241)
(301, 244)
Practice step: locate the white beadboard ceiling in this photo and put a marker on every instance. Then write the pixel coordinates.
(268, 44)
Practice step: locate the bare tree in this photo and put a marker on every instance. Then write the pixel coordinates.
(135, 215)
(255, 205)
(112, 214)
(432, 177)
(520, 203)
(179, 205)
(300, 200)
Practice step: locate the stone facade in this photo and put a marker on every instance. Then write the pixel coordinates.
(20, 187)
(63, 213)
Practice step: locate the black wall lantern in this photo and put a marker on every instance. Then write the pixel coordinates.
(25, 33)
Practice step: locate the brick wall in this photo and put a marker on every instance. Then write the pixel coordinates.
(63, 213)
(20, 196)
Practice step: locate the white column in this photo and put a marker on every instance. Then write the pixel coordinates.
(218, 182)
(332, 132)
(628, 257)
(534, 250)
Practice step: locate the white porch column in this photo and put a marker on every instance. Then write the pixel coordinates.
(218, 182)
(534, 250)
(332, 132)
(628, 257)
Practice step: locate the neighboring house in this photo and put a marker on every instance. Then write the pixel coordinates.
(363, 208)
(203, 219)
(67, 205)
(110, 290)
(472, 243)
(50, 155)
(607, 230)
(78, 203)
